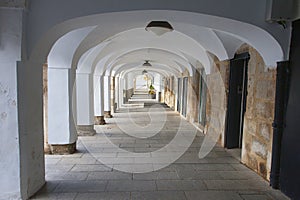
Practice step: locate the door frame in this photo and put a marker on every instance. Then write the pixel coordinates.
(246, 57)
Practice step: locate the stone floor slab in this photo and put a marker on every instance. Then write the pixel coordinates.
(113, 175)
(235, 185)
(256, 197)
(91, 168)
(212, 195)
(161, 175)
(104, 196)
(56, 196)
(180, 185)
(83, 175)
(131, 185)
(158, 195)
(67, 176)
(80, 186)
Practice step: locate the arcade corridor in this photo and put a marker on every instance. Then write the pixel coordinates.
(83, 176)
(130, 99)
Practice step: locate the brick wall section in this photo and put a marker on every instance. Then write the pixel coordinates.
(257, 134)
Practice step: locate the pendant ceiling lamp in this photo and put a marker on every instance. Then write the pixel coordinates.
(147, 64)
(144, 72)
(159, 27)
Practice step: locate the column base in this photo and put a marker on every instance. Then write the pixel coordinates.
(107, 114)
(62, 149)
(99, 120)
(47, 148)
(85, 130)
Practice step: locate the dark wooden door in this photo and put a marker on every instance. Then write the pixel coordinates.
(236, 101)
(184, 95)
(179, 86)
(290, 150)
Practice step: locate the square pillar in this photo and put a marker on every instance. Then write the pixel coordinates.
(85, 104)
(107, 97)
(99, 100)
(62, 134)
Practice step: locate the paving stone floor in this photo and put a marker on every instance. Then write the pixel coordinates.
(218, 176)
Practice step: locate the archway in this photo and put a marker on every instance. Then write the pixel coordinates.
(65, 65)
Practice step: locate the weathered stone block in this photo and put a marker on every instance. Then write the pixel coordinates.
(62, 149)
(269, 74)
(107, 114)
(265, 130)
(251, 161)
(251, 67)
(249, 126)
(85, 130)
(99, 120)
(262, 169)
(215, 123)
(265, 89)
(260, 149)
(250, 86)
(264, 110)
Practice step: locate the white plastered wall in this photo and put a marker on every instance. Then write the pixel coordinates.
(10, 53)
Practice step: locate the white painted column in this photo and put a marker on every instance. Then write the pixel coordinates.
(99, 100)
(13, 128)
(107, 97)
(85, 104)
(117, 92)
(113, 94)
(121, 92)
(62, 135)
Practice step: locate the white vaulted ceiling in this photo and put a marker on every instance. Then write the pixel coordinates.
(109, 49)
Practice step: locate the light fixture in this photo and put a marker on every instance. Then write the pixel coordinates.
(144, 72)
(147, 64)
(159, 27)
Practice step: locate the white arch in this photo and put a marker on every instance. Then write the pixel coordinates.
(155, 56)
(175, 42)
(137, 71)
(140, 55)
(61, 54)
(114, 23)
(85, 62)
(135, 66)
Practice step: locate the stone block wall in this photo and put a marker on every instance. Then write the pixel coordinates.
(128, 94)
(193, 98)
(169, 94)
(216, 103)
(257, 133)
(45, 107)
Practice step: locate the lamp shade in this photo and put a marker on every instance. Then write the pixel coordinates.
(147, 64)
(159, 27)
(144, 72)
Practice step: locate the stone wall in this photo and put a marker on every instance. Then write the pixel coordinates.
(169, 94)
(216, 103)
(193, 98)
(45, 107)
(128, 93)
(257, 134)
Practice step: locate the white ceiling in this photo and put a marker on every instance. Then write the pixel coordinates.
(106, 49)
